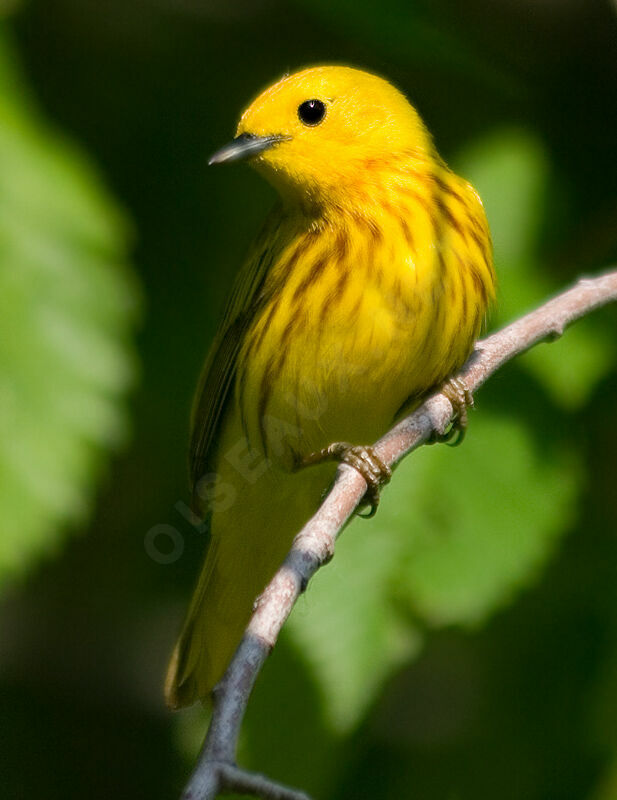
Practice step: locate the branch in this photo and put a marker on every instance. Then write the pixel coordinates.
(313, 547)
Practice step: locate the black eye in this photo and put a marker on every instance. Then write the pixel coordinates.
(311, 112)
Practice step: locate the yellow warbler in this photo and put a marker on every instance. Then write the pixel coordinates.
(366, 289)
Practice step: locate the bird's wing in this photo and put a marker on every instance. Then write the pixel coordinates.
(217, 377)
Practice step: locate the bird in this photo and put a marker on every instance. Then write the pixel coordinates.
(366, 289)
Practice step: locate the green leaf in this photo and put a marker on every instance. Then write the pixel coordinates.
(481, 520)
(571, 369)
(458, 532)
(350, 634)
(67, 304)
(288, 696)
(509, 168)
(511, 171)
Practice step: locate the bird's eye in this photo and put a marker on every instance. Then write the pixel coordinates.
(311, 112)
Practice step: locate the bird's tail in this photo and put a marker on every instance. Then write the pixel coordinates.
(249, 542)
(217, 617)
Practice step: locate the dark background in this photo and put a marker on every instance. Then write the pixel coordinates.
(523, 706)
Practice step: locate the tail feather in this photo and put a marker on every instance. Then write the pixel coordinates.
(218, 615)
(208, 638)
(249, 542)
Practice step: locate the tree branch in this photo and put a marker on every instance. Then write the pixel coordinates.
(313, 547)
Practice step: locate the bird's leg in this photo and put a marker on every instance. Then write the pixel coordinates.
(364, 459)
(458, 393)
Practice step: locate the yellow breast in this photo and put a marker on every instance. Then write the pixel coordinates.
(367, 312)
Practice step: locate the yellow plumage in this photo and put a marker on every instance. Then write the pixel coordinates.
(366, 289)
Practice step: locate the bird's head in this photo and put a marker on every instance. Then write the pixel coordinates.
(323, 133)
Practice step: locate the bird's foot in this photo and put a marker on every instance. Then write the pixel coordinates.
(364, 459)
(459, 394)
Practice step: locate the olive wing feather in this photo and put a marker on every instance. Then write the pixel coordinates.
(216, 382)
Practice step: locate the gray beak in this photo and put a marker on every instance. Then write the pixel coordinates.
(245, 146)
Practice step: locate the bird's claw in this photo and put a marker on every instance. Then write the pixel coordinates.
(459, 394)
(363, 459)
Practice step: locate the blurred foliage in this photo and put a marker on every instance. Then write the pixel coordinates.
(66, 305)
(464, 642)
(434, 43)
(512, 173)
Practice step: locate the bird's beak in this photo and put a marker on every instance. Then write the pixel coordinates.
(245, 146)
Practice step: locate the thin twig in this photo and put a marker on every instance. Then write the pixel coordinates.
(313, 547)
